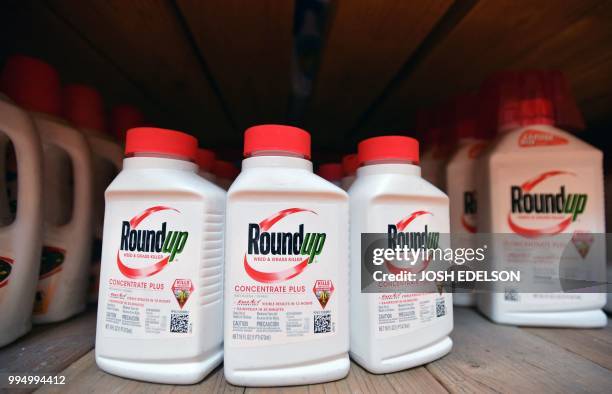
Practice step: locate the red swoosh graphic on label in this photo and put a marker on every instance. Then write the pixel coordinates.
(404, 223)
(469, 227)
(136, 273)
(269, 222)
(280, 276)
(534, 233)
(272, 277)
(530, 184)
(135, 221)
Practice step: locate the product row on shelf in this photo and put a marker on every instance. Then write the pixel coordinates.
(198, 263)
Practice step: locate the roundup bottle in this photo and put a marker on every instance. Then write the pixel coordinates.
(539, 181)
(461, 178)
(395, 331)
(64, 270)
(206, 160)
(160, 303)
(331, 172)
(21, 238)
(349, 168)
(83, 107)
(286, 303)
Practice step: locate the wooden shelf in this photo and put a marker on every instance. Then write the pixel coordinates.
(214, 68)
(485, 357)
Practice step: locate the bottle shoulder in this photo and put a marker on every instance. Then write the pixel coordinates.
(400, 185)
(270, 180)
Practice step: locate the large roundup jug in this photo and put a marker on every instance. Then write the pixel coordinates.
(64, 267)
(20, 239)
(83, 107)
(541, 197)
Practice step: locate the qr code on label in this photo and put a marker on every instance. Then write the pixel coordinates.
(179, 322)
(322, 323)
(440, 307)
(511, 295)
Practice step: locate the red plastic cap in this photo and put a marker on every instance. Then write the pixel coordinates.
(225, 169)
(279, 138)
(463, 115)
(391, 147)
(350, 163)
(123, 118)
(82, 105)
(205, 159)
(33, 84)
(331, 171)
(522, 99)
(161, 141)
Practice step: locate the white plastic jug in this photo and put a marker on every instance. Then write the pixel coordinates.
(64, 267)
(83, 107)
(21, 240)
(395, 331)
(160, 309)
(286, 306)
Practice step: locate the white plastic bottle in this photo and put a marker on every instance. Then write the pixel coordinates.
(225, 173)
(160, 302)
(349, 169)
(331, 172)
(470, 135)
(530, 160)
(206, 160)
(385, 335)
(20, 240)
(83, 107)
(65, 260)
(286, 304)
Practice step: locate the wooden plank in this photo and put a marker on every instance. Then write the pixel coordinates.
(366, 45)
(491, 36)
(148, 42)
(594, 345)
(31, 28)
(50, 348)
(85, 376)
(248, 48)
(489, 357)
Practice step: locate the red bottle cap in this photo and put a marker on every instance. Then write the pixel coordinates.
(123, 118)
(161, 141)
(205, 159)
(393, 147)
(463, 116)
(522, 99)
(33, 84)
(331, 171)
(350, 163)
(276, 138)
(225, 169)
(82, 105)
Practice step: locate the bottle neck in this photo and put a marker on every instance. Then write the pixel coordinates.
(276, 161)
(161, 162)
(389, 168)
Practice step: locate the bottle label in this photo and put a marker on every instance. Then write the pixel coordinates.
(401, 313)
(150, 268)
(283, 272)
(6, 266)
(52, 260)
